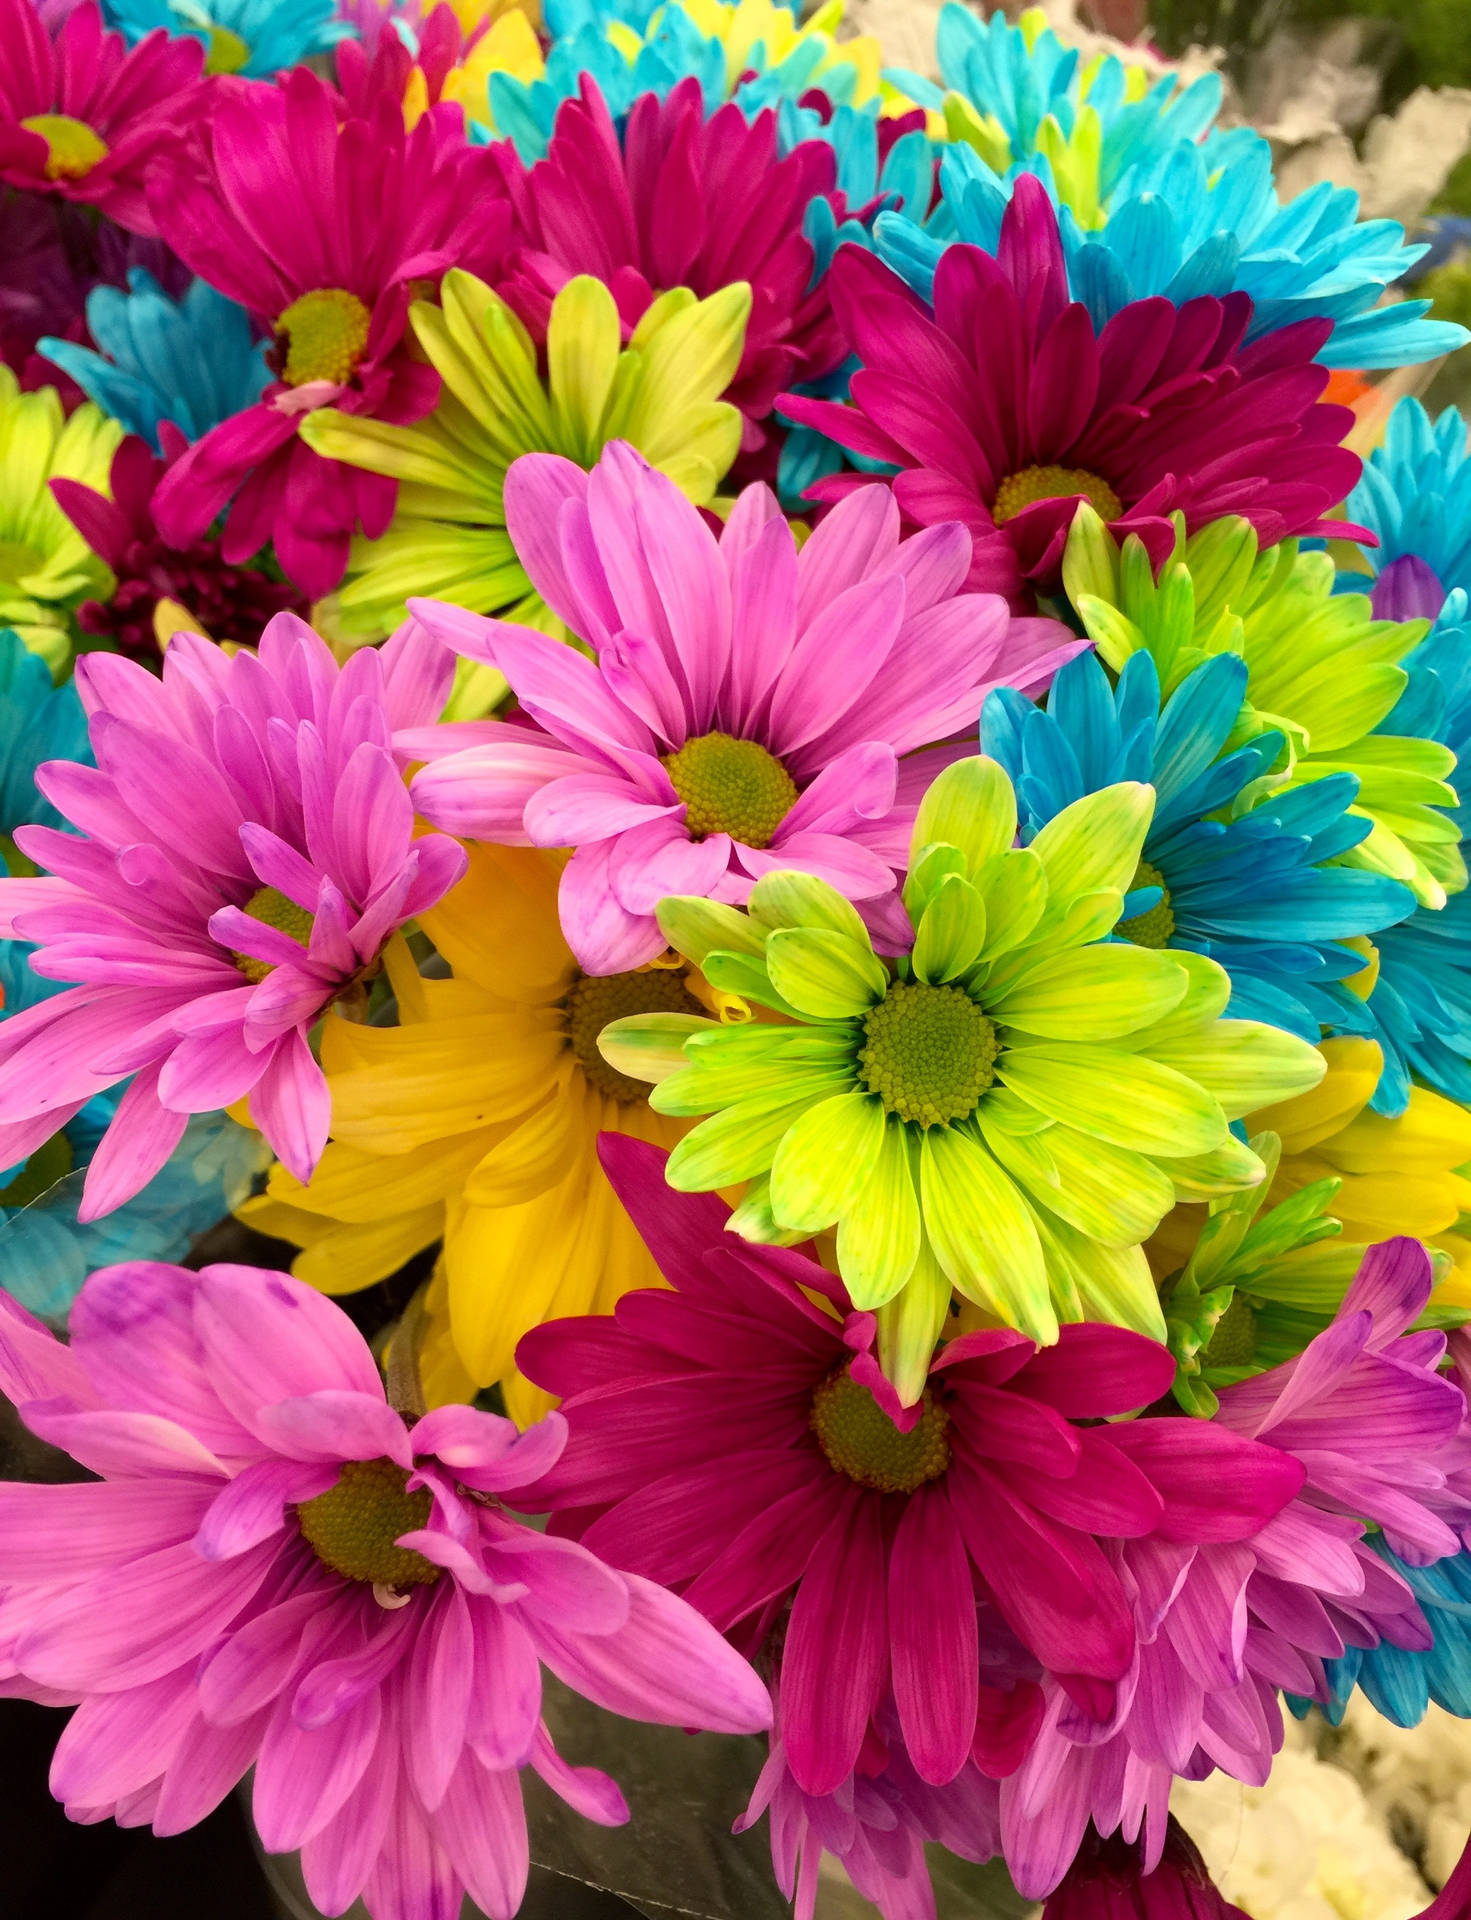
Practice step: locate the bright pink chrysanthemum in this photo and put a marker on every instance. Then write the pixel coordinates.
(749, 705)
(324, 232)
(737, 1442)
(277, 1570)
(1004, 407)
(83, 116)
(246, 849)
(679, 199)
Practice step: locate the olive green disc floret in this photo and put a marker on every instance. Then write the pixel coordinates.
(929, 1053)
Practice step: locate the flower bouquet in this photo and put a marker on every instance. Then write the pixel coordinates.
(738, 745)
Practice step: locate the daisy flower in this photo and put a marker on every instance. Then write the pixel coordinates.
(255, 38)
(1009, 1107)
(364, 1625)
(375, 211)
(83, 116)
(736, 1435)
(476, 1121)
(449, 540)
(1161, 411)
(748, 705)
(245, 850)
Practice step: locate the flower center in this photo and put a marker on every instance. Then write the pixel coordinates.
(731, 786)
(325, 333)
(861, 1440)
(351, 1527)
(73, 149)
(227, 53)
(595, 999)
(929, 1053)
(270, 906)
(1025, 489)
(1233, 1344)
(1152, 929)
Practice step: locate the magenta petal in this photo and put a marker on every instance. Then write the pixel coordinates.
(291, 1105)
(603, 935)
(55, 1533)
(484, 1834)
(139, 1139)
(585, 1789)
(441, 1679)
(335, 1425)
(504, 1704)
(932, 1637)
(266, 1337)
(836, 1657)
(302, 1777)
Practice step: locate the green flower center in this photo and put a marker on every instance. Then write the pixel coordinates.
(1233, 1344)
(270, 906)
(325, 334)
(351, 1527)
(929, 1053)
(1152, 929)
(73, 149)
(595, 999)
(860, 1440)
(731, 786)
(227, 53)
(1025, 489)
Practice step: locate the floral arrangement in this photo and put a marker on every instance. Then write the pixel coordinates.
(747, 750)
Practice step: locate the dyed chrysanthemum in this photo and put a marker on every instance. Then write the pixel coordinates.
(379, 213)
(159, 589)
(46, 567)
(255, 38)
(1256, 886)
(1415, 495)
(747, 708)
(734, 1439)
(449, 541)
(676, 199)
(1107, 1881)
(364, 1625)
(192, 361)
(1009, 1107)
(246, 850)
(83, 116)
(1163, 411)
(1321, 670)
(476, 1121)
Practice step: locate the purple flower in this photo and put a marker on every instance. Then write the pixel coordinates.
(749, 706)
(245, 850)
(277, 1570)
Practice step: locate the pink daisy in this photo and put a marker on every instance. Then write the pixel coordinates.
(246, 848)
(279, 1570)
(749, 705)
(324, 231)
(736, 1441)
(82, 115)
(1004, 407)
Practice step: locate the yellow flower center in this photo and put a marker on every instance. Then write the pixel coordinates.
(271, 907)
(861, 1440)
(227, 53)
(731, 786)
(73, 149)
(325, 333)
(1233, 1344)
(929, 1053)
(351, 1527)
(1152, 929)
(595, 999)
(1025, 489)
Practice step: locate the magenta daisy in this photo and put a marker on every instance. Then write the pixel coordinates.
(735, 1440)
(246, 848)
(1107, 1882)
(676, 199)
(323, 230)
(1004, 407)
(279, 1570)
(82, 116)
(749, 707)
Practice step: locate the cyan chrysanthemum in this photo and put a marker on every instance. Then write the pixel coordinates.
(1415, 494)
(1230, 868)
(1401, 1683)
(255, 38)
(193, 361)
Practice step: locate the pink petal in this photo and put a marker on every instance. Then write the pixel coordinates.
(603, 935)
(334, 1424)
(266, 1338)
(292, 1106)
(253, 1506)
(649, 863)
(932, 1636)
(837, 1655)
(139, 1139)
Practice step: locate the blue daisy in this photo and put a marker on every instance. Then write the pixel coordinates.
(1399, 1683)
(192, 361)
(255, 38)
(1415, 494)
(1249, 881)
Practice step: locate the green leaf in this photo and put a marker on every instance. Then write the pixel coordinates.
(824, 1160)
(802, 900)
(825, 974)
(649, 1046)
(1092, 993)
(878, 1237)
(952, 931)
(1120, 1097)
(968, 805)
(734, 1145)
(983, 1233)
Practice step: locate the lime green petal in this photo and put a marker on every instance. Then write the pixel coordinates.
(1111, 1284)
(1231, 1167)
(742, 974)
(1207, 992)
(952, 931)
(760, 1040)
(982, 1231)
(1097, 992)
(802, 900)
(910, 1326)
(1015, 1116)
(1115, 1096)
(923, 881)
(582, 359)
(969, 805)
(1110, 1193)
(826, 974)
(1244, 1064)
(752, 1219)
(1014, 889)
(878, 1237)
(1095, 843)
(649, 1046)
(737, 1144)
(696, 928)
(1084, 921)
(825, 1159)
(711, 1082)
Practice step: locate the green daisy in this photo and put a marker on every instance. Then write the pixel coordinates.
(1322, 670)
(1009, 1108)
